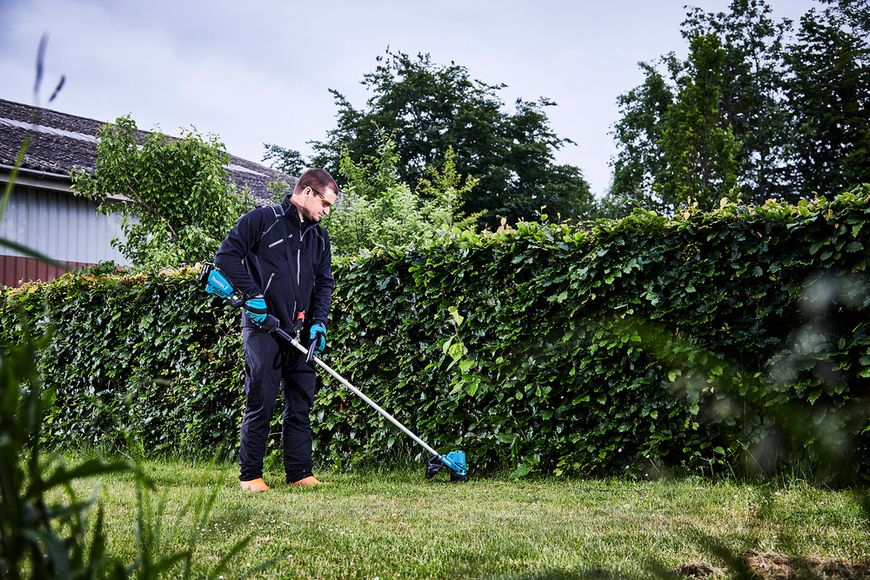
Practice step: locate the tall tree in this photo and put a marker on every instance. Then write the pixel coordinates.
(855, 13)
(639, 163)
(698, 149)
(828, 91)
(425, 108)
(750, 85)
(799, 111)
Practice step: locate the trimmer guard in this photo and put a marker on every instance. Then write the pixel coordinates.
(454, 461)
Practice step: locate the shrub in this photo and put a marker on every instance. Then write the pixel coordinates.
(701, 340)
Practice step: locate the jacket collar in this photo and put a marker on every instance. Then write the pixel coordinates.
(292, 212)
(288, 206)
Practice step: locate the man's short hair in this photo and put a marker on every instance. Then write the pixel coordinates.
(317, 179)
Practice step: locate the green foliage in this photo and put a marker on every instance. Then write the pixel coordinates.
(548, 367)
(426, 109)
(38, 538)
(289, 161)
(444, 190)
(701, 340)
(828, 94)
(750, 82)
(177, 200)
(377, 209)
(640, 162)
(279, 190)
(699, 154)
(797, 107)
(145, 363)
(46, 530)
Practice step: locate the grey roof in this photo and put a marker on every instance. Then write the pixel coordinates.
(59, 142)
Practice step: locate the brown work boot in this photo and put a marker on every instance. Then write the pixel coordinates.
(309, 481)
(255, 485)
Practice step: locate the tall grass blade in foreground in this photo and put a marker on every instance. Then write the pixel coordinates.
(45, 538)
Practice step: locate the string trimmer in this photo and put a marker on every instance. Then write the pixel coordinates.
(218, 284)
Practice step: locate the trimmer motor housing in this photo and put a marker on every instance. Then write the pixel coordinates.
(215, 282)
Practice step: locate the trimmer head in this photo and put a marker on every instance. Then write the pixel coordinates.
(454, 461)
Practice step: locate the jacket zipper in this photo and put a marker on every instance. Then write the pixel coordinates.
(299, 252)
(269, 283)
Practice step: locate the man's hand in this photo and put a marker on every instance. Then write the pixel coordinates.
(255, 308)
(318, 333)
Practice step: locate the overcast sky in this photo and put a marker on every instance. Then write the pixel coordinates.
(259, 71)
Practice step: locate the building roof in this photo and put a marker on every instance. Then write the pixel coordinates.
(59, 142)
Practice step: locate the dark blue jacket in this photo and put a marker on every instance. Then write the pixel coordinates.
(271, 252)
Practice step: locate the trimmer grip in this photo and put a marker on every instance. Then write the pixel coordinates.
(313, 345)
(271, 323)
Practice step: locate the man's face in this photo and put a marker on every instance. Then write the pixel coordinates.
(316, 204)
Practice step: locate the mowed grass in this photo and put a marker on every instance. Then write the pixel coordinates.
(400, 525)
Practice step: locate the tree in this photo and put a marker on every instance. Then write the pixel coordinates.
(749, 70)
(178, 201)
(289, 161)
(750, 85)
(639, 163)
(444, 189)
(376, 208)
(828, 93)
(698, 151)
(854, 13)
(426, 108)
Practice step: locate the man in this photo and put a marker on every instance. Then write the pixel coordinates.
(280, 258)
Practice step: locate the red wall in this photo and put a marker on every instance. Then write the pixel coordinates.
(15, 269)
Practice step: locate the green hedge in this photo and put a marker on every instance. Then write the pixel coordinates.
(639, 344)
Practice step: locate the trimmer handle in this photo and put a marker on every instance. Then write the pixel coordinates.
(271, 324)
(218, 284)
(313, 346)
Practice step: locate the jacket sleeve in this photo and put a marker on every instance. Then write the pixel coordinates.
(323, 284)
(231, 255)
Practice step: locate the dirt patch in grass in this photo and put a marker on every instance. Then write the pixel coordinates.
(767, 566)
(699, 570)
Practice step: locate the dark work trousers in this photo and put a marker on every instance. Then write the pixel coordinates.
(270, 364)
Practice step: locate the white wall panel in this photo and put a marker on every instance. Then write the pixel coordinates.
(60, 225)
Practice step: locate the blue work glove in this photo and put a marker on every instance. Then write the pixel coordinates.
(321, 340)
(255, 308)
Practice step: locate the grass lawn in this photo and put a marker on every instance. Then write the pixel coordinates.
(399, 525)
